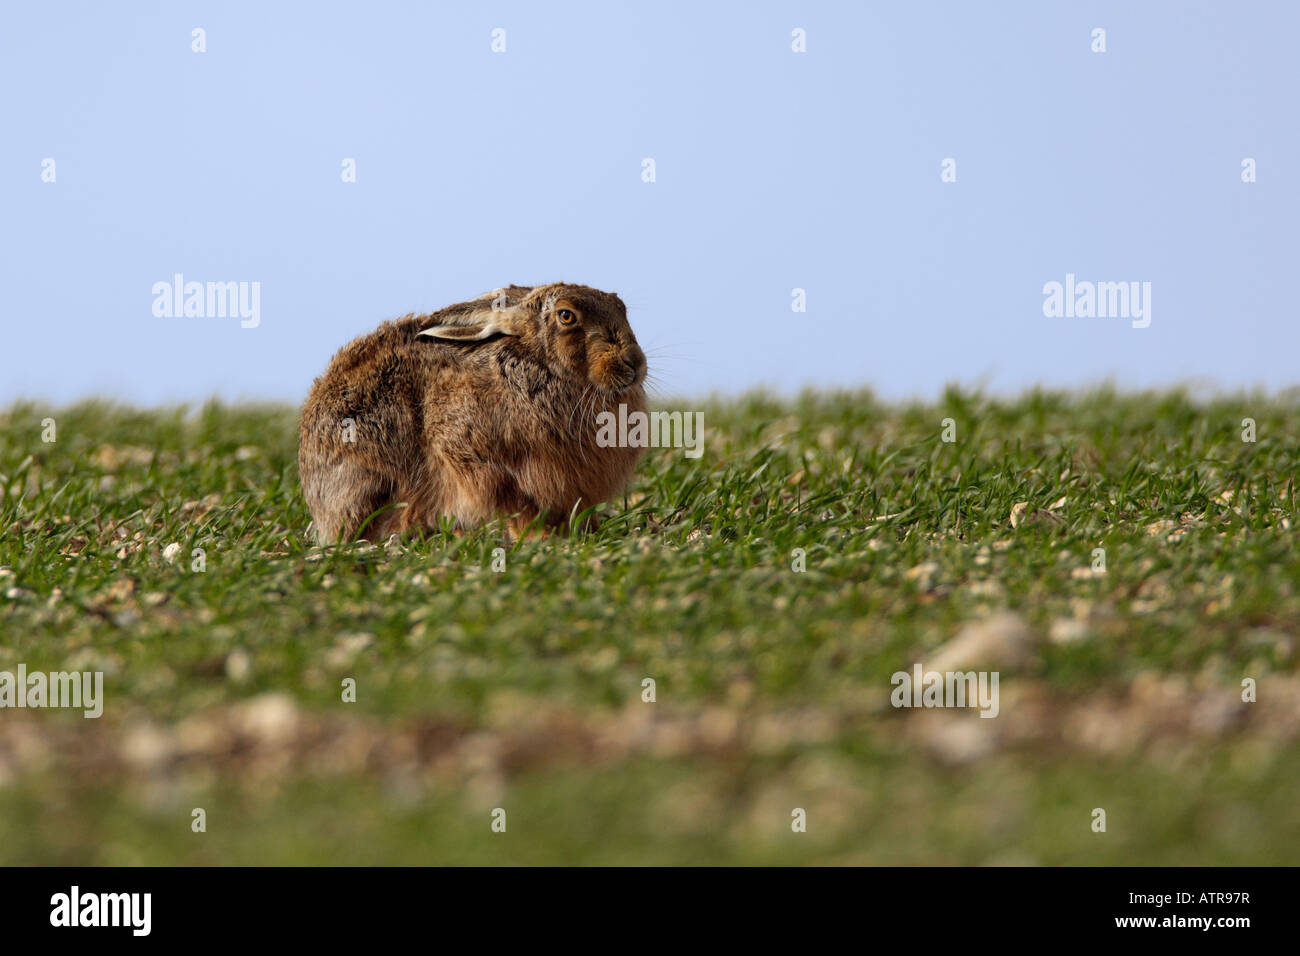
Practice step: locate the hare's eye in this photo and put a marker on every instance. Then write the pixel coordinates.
(566, 317)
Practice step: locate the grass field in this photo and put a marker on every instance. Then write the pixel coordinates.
(523, 689)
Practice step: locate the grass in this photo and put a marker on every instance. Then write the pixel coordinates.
(522, 690)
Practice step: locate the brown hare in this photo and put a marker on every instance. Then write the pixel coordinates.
(482, 409)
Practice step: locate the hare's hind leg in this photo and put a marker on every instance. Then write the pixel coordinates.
(344, 497)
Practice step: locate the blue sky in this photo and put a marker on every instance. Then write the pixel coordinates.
(775, 170)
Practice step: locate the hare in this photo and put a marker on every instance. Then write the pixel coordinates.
(483, 409)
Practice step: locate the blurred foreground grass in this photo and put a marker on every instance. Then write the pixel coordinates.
(523, 689)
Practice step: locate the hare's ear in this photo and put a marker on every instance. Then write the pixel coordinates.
(476, 329)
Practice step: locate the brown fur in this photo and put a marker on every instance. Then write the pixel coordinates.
(495, 414)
